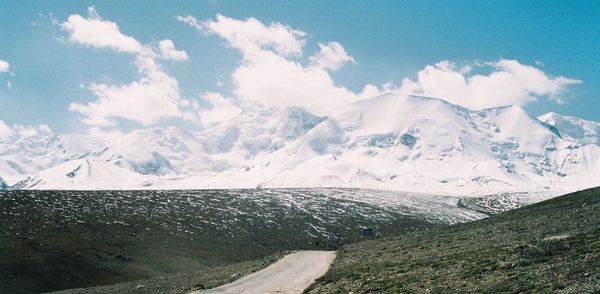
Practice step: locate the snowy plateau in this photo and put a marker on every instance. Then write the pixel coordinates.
(391, 142)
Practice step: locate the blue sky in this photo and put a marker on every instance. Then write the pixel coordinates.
(382, 42)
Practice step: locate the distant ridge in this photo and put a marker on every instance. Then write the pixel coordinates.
(392, 142)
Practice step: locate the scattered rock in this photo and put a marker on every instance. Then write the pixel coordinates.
(556, 237)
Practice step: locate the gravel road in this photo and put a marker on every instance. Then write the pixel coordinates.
(291, 274)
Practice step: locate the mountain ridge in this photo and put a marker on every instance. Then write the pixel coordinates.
(392, 142)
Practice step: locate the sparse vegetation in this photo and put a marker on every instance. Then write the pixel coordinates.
(54, 240)
(552, 246)
(183, 282)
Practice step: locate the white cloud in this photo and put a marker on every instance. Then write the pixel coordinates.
(508, 83)
(168, 51)
(190, 20)
(17, 132)
(4, 66)
(23, 131)
(98, 33)
(6, 132)
(331, 56)
(213, 109)
(252, 36)
(270, 72)
(153, 97)
(276, 81)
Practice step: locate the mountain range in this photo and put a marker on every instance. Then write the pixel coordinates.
(391, 142)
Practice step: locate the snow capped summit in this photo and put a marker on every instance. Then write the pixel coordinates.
(394, 141)
(3, 185)
(174, 152)
(155, 154)
(32, 154)
(259, 130)
(415, 143)
(584, 131)
(85, 174)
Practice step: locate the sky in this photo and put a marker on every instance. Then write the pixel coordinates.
(85, 67)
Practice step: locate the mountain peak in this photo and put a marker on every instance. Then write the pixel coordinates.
(584, 131)
(3, 184)
(394, 141)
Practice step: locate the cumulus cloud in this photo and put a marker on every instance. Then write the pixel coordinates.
(508, 83)
(252, 36)
(6, 132)
(271, 71)
(168, 51)
(331, 56)
(4, 66)
(274, 71)
(153, 97)
(276, 81)
(95, 32)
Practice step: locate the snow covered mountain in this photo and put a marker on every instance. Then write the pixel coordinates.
(156, 157)
(394, 142)
(27, 156)
(584, 131)
(3, 185)
(174, 152)
(425, 144)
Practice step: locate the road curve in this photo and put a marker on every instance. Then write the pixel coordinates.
(291, 274)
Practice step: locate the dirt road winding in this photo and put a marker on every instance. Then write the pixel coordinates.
(291, 274)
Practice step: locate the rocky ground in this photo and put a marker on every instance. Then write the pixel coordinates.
(183, 282)
(53, 240)
(552, 246)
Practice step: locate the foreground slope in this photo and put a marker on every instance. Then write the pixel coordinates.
(53, 240)
(552, 246)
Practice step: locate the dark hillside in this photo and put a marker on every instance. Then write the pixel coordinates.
(552, 246)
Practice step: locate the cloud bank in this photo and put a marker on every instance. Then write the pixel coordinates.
(508, 83)
(275, 71)
(272, 72)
